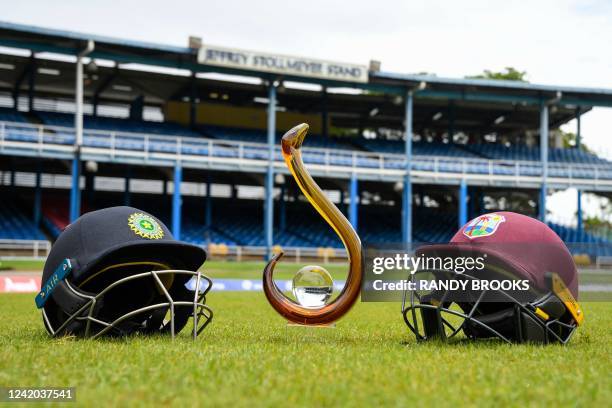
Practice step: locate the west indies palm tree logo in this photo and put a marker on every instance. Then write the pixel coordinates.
(483, 226)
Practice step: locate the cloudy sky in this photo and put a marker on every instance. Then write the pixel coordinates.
(562, 42)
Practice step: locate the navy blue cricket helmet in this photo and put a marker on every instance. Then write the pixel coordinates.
(119, 271)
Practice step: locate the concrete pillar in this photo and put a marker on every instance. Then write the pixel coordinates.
(463, 201)
(543, 159)
(127, 195)
(269, 202)
(75, 188)
(38, 196)
(354, 201)
(177, 202)
(407, 187)
(282, 208)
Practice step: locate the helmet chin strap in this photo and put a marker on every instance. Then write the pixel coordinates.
(63, 296)
(70, 310)
(540, 321)
(69, 300)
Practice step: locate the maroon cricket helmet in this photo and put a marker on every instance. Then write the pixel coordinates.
(516, 243)
(509, 247)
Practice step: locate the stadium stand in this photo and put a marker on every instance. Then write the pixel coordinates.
(11, 115)
(209, 130)
(488, 151)
(569, 234)
(238, 224)
(244, 227)
(522, 152)
(16, 225)
(129, 135)
(55, 214)
(116, 124)
(260, 136)
(418, 148)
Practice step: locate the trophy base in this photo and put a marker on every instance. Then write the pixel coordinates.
(313, 326)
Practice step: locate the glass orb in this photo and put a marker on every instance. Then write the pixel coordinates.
(312, 286)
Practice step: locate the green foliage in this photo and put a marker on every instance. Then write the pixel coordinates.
(509, 74)
(569, 139)
(569, 142)
(598, 226)
(595, 222)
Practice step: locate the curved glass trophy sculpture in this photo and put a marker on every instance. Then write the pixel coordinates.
(325, 314)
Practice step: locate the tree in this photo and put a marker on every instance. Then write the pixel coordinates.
(569, 141)
(510, 74)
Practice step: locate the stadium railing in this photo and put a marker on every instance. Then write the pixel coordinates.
(36, 249)
(149, 148)
(22, 248)
(603, 262)
(39, 249)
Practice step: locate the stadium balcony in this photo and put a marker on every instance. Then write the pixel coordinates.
(160, 143)
(260, 136)
(10, 121)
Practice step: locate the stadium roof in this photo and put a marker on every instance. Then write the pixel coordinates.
(41, 39)
(466, 103)
(527, 92)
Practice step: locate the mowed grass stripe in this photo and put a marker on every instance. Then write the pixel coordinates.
(249, 356)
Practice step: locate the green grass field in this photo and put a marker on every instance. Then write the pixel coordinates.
(249, 356)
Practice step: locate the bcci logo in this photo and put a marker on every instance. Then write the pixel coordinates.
(145, 226)
(483, 226)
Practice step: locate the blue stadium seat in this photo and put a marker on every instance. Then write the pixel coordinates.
(16, 225)
(117, 124)
(260, 136)
(334, 151)
(522, 152)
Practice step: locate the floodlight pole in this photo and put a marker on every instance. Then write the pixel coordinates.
(269, 202)
(75, 191)
(579, 225)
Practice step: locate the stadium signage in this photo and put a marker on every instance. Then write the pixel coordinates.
(281, 64)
